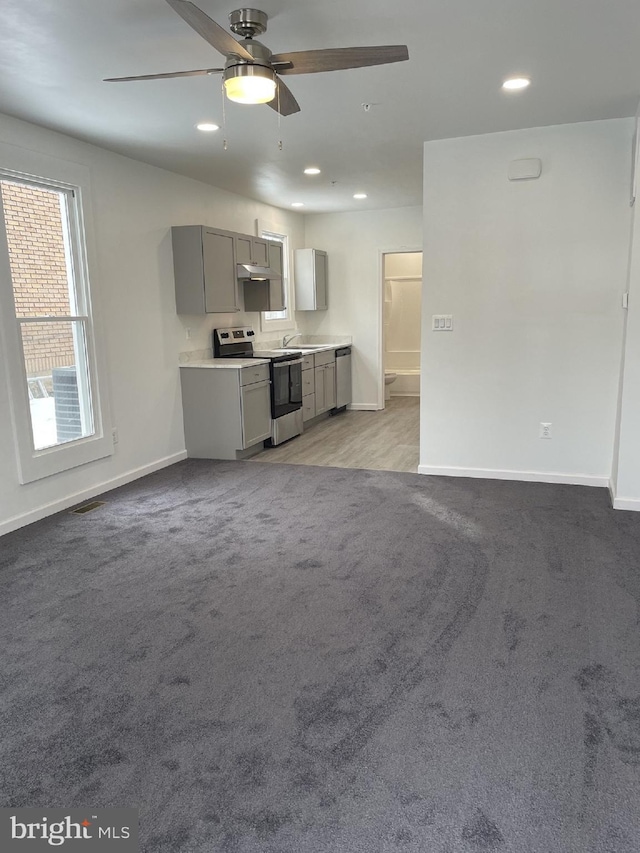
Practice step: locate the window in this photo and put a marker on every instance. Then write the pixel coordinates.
(280, 238)
(278, 320)
(48, 327)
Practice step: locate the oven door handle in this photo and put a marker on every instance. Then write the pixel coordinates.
(288, 363)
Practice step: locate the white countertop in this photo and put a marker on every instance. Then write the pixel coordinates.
(310, 350)
(232, 363)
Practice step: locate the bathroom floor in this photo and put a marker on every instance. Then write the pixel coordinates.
(386, 440)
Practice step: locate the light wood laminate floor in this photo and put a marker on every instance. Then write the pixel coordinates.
(386, 440)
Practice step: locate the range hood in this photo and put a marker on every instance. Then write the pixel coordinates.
(251, 272)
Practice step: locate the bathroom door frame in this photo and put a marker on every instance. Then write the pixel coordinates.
(402, 250)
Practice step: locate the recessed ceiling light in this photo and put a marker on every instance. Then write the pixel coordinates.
(515, 83)
(359, 195)
(297, 204)
(312, 170)
(207, 126)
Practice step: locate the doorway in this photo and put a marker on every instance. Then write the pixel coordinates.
(401, 326)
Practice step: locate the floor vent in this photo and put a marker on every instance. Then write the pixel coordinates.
(88, 507)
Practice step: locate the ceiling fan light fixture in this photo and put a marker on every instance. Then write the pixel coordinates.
(515, 84)
(249, 84)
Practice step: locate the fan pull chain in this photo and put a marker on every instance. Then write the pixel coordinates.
(224, 117)
(279, 119)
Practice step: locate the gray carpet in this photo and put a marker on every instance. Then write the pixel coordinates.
(299, 660)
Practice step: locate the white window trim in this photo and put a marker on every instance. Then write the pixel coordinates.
(22, 164)
(288, 323)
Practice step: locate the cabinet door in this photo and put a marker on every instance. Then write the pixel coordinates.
(330, 386)
(255, 403)
(319, 377)
(320, 275)
(220, 284)
(187, 268)
(243, 249)
(276, 287)
(308, 407)
(308, 382)
(259, 252)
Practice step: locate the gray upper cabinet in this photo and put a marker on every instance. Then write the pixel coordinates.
(252, 250)
(267, 295)
(276, 287)
(204, 266)
(311, 279)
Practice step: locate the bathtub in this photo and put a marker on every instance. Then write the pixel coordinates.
(407, 384)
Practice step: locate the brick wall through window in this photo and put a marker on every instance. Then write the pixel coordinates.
(39, 274)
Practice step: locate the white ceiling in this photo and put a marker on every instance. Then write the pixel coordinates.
(582, 55)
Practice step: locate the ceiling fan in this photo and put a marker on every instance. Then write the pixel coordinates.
(252, 73)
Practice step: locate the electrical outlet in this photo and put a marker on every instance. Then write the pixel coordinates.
(114, 435)
(545, 430)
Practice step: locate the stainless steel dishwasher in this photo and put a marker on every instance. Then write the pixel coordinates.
(343, 379)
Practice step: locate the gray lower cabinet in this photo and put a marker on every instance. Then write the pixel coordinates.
(325, 381)
(255, 406)
(205, 270)
(308, 388)
(226, 411)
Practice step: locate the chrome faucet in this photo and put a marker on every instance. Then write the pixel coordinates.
(287, 340)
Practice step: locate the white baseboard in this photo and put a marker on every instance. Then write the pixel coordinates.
(364, 407)
(525, 476)
(632, 504)
(71, 500)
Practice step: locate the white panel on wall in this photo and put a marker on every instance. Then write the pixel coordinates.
(533, 272)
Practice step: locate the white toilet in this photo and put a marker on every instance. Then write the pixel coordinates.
(389, 377)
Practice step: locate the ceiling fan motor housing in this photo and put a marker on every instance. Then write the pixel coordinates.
(248, 22)
(261, 55)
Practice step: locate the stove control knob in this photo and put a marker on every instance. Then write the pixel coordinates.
(250, 334)
(224, 334)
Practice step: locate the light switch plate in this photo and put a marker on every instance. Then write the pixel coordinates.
(442, 322)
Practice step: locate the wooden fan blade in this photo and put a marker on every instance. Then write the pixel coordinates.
(284, 102)
(209, 30)
(162, 76)
(338, 58)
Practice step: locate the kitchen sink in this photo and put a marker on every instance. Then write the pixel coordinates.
(308, 346)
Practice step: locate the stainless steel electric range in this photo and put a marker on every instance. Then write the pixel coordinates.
(285, 370)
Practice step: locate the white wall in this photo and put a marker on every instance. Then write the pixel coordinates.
(626, 470)
(134, 206)
(533, 274)
(355, 243)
